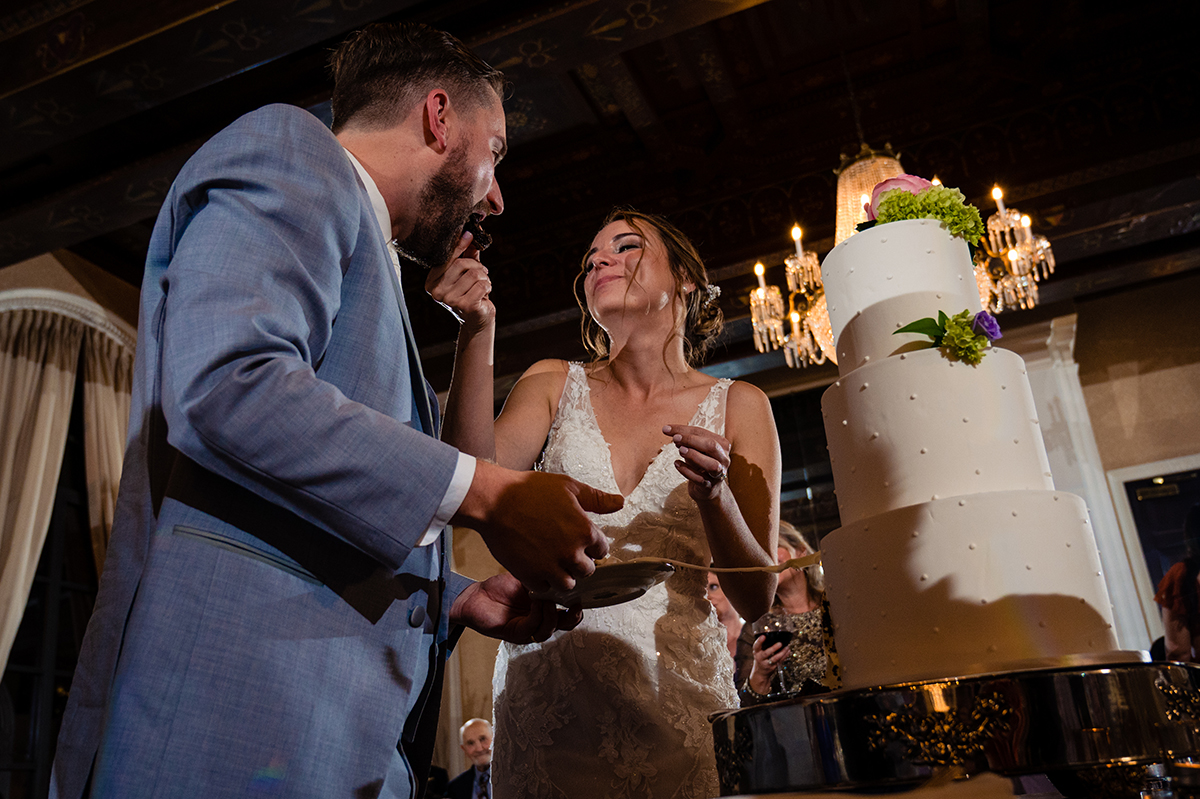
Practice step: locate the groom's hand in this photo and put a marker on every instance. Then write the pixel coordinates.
(500, 607)
(535, 526)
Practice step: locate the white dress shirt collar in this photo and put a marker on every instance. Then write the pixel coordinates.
(377, 203)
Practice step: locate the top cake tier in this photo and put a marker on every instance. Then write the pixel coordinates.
(883, 278)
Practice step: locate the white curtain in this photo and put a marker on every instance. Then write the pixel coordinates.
(39, 350)
(107, 381)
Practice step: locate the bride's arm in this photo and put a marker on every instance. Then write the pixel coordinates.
(463, 286)
(515, 438)
(741, 513)
(524, 423)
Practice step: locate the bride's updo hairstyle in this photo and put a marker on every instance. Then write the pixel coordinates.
(703, 321)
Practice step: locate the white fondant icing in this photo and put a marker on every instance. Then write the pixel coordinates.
(871, 284)
(928, 583)
(908, 426)
(982, 590)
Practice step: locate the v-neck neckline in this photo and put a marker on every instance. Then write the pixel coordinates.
(612, 472)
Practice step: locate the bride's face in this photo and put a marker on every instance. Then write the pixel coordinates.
(626, 271)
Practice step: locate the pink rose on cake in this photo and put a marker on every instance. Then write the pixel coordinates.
(909, 183)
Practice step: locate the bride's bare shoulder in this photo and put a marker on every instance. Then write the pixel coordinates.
(542, 382)
(547, 366)
(747, 406)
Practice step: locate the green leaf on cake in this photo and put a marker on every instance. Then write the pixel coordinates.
(957, 336)
(922, 327)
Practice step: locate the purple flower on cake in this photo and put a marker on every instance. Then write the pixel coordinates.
(986, 324)
(910, 183)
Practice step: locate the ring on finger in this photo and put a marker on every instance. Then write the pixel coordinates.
(719, 476)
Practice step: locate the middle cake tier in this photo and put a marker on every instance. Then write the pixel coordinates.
(918, 427)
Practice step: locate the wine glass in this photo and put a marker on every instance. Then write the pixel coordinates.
(776, 629)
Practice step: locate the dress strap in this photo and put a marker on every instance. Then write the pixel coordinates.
(711, 413)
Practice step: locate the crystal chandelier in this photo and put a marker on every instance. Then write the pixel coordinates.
(810, 336)
(857, 177)
(1022, 260)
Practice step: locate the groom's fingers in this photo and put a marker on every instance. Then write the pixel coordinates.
(569, 618)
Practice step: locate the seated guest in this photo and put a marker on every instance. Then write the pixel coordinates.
(1179, 597)
(806, 665)
(728, 617)
(475, 738)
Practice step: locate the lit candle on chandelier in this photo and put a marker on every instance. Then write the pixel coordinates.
(1026, 233)
(796, 234)
(998, 196)
(795, 325)
(759, 269)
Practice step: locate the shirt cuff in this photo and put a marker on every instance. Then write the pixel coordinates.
(456, 492)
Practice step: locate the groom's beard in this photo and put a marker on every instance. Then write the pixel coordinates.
(444, 213)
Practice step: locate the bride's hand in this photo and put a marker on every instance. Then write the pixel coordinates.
(463, 288)
(705, 458)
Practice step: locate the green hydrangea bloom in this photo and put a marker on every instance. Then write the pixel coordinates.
(961, 341)
(948, 206)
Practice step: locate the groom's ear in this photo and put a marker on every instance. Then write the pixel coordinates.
(435, 114)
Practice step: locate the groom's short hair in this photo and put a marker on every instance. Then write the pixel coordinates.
(381, 71)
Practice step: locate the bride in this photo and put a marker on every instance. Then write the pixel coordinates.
(618, 706)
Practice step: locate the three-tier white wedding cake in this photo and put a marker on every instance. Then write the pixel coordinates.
(956, 555)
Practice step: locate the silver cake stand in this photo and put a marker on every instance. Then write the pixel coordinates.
(1096, 730)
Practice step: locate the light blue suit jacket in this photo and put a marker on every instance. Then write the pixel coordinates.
(272, 353)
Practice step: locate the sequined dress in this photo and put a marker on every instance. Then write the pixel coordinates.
(618, 706)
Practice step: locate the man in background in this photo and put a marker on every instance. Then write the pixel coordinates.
(476, 782)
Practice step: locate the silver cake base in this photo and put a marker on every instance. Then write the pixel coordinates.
(1068, 719)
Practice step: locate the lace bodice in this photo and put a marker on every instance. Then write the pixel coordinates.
(618, 707)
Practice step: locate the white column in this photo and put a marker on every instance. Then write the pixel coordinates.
(1049, 352)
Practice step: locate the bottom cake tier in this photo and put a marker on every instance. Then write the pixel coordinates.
(966, 585)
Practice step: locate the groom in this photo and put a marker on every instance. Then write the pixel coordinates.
(276, 608)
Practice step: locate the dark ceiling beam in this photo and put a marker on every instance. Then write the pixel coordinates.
(165, 63)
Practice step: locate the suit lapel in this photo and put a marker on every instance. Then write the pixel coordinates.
(420, 392)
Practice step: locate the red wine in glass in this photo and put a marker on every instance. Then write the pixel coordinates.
(772, 637)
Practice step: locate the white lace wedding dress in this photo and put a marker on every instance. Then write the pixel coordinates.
(618, 706)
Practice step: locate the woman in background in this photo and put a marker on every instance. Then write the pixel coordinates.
(806, 665)
(618, 707)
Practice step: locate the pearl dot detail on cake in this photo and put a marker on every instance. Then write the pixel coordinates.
(1014, 513)
(978, 472)
(864, 386)
(845, 422)
(937, 629)
(970, 546)
(912, 396)
(916, 533)
(962, 502)
(924, 577)
(924, 450)
(965, 420)
(1028, 567)
(874, 435)
(903, 357)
